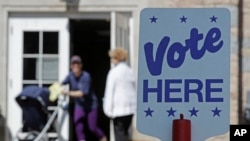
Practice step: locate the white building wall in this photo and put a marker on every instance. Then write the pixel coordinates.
(3, 71)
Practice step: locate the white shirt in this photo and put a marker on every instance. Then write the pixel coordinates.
(120, 92)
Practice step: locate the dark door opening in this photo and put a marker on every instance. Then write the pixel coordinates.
(90, 39)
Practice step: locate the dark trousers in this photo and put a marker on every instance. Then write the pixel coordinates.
(91, 117)
(121, 127)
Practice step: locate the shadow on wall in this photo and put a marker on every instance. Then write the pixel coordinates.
(2, 121)
(246, 116)
(2, 129)
(72, 5)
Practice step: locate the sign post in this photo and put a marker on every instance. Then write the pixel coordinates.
(184, 73)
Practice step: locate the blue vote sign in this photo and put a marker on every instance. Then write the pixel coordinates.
(184, 69)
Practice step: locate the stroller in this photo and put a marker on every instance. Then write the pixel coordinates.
(34, 102)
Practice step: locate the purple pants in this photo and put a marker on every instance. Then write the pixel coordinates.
(79, 116)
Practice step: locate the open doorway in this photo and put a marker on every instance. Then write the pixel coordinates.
(90, 39)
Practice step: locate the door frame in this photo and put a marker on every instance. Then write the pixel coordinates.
(113, 26)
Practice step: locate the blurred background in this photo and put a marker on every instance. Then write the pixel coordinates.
(37, 38)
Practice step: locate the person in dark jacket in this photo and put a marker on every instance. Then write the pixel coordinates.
(86, 105)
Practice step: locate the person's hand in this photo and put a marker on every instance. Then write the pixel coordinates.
(64, 91)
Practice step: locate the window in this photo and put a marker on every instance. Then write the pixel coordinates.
(40, 57)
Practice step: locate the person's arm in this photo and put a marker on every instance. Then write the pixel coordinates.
(84, 87)
(78, 93)
(109, 94)
(66, 80)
